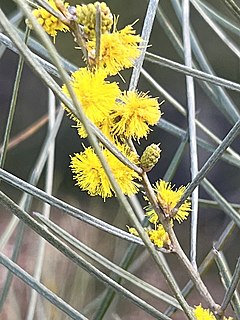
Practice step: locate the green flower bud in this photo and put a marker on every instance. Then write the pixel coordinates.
(150, 157)
(86, 16)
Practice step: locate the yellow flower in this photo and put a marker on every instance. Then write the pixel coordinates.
(96, 95)
(118, 51)
(203, 314)
(133, 231)
(168, 198)
(206, 314)
(152, 217)
(159, 236)
(105, 126)
(91, 177)
(134, 115)
(50, 23)
(80, 128)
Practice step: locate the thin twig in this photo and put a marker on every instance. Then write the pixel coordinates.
(65, 207)
(71, 254)
(234, 8)
(209, 164)
(46, 208)
(216, 93)
(13, 105)
(27, 133)
(226, 277)
(180, 108)
(98, 33)
(41, 289)
(208, 260)
(146, 32)
(231, 288)
(191, 72)
(69, 20)
(192, 127)
(105, 262)
(193, 273)
(217, 29)
(222, 19)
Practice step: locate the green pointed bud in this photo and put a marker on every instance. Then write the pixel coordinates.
(150, 157)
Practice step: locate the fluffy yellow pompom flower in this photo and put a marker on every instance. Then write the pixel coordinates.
(118, 51)
(133, 116)
(50, 23)
(206, 314)
(105, 126)
(203, 314)
(168, 198)
(159, 236)
(91, 177)
(96, 95)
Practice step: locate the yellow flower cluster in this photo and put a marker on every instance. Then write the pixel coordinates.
(96, 95)
(118, 50)
(49, 22)
(119, 115)
(91, 177)
(134, 114)
(158, 236)
(205, 314)
(167, 198)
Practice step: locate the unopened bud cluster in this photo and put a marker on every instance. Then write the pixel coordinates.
(86, 16)
(150, 157)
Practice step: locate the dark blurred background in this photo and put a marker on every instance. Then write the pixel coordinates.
(32, 104)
